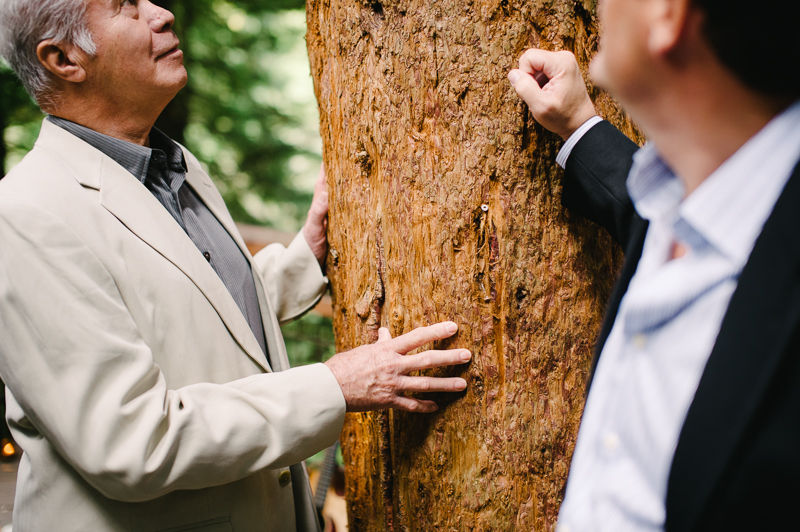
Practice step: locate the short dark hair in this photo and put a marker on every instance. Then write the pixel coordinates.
(758, 41)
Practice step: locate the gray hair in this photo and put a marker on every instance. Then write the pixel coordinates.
(26, 23)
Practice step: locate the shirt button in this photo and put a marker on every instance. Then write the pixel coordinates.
(284, 478)
(207, 255)
(611, 441)
(639, 341)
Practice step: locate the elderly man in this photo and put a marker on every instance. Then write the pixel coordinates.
(148, 383)
(692, 421)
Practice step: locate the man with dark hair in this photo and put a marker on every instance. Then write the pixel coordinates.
(692, 420)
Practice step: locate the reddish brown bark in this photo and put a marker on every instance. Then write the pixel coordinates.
(445, 204)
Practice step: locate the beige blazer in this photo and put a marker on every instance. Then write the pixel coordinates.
(135, 386)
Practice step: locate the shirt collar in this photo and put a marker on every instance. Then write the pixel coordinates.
(729, 209)
(132, 157)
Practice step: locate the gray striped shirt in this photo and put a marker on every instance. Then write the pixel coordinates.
(162, 169)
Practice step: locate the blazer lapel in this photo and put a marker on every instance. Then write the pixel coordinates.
(125, 197)
(200, 181)
(760, 321)
(133, 205)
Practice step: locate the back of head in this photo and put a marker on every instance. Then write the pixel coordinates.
(758, 41)
(26, 23)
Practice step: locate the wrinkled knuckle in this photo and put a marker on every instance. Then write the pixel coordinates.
(425, 359)
(386, 399)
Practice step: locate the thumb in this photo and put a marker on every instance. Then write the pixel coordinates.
(384, 334)
(526, 86)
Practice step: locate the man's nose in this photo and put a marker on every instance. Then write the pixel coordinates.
(161, 19)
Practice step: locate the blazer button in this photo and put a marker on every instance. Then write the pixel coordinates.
(284, 478)
(207, 255)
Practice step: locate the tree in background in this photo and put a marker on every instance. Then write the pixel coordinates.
(445, 204)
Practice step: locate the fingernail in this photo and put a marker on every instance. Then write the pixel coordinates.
(461, 384)
(513, 76)
(466, 355)
(451, 327)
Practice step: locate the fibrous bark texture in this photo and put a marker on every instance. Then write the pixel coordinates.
(445, 205)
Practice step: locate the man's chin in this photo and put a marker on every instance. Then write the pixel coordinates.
(178, 81)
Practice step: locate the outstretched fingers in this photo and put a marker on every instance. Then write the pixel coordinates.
(434, 359)
(423, 335)
(410, 404)
(432, 384)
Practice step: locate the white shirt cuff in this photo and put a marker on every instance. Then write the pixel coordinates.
(566, 149)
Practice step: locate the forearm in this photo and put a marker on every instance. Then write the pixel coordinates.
(594, 180)
(292, 278)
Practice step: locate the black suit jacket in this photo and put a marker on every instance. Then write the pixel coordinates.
(737, 464)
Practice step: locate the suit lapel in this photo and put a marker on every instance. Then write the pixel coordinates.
(201, 183)
(760, 321)
(133, 205)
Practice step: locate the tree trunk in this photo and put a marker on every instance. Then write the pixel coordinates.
(445, 204)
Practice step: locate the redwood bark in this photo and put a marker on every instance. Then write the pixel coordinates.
(445, 204)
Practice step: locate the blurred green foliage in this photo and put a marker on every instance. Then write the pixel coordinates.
(248, 113)
(19, 120)
(310, 339)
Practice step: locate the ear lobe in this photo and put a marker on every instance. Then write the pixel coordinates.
(62, 60)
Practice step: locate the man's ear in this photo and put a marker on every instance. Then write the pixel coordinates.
(670, 21)
(63, 60)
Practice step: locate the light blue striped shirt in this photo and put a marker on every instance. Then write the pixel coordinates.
(666, 327)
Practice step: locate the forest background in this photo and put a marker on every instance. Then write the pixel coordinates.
(248, 113)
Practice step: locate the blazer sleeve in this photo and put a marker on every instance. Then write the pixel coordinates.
(292, 277)
(594, 180)
(74, 361)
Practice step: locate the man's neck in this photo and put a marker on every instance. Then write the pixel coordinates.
(127, 124)
(701, 123)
